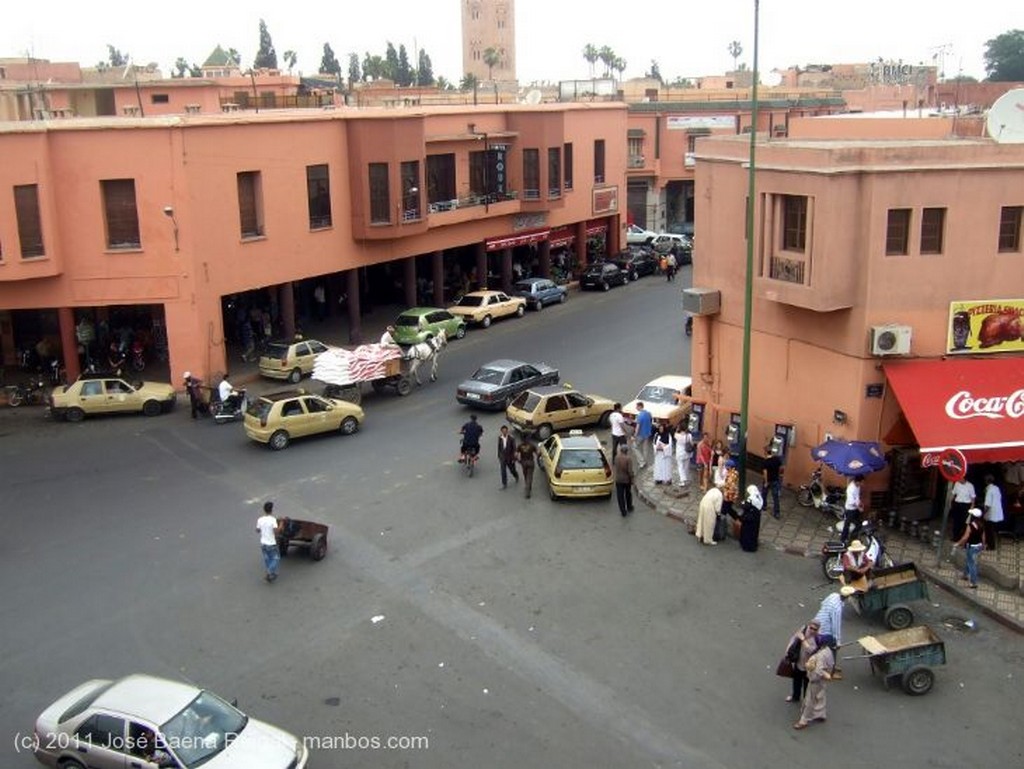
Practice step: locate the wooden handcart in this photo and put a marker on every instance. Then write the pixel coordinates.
(908, 654)
(291, 532)
(889, 593)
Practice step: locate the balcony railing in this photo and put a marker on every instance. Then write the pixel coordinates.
(636, 161)
(554, 192)
(788, 270)
(531, 194)
(472, 199)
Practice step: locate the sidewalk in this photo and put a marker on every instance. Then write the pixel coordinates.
(801, 531)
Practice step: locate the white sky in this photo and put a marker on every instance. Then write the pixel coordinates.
(686, 37)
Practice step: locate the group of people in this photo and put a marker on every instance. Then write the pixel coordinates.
(510, 453)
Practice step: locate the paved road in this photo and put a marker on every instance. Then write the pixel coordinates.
(513, 634)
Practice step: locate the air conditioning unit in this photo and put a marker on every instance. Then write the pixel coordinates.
(702, 301)
(891, 339)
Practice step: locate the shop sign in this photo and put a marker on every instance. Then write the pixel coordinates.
(606, 200)
(689, 123)
(951, 462)
(994, 325)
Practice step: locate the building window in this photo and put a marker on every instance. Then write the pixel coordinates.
(380, 194)
(30, 224)
(530, 174)
(1009, 229)
(160, 98)
(599, 161)
(318, 189)
(121, 214)
(440, 178)
(635, 146)
(478, 178)
(250, 207)
(794, 223)
(554, 172)
(897, 232)
(567, 170)
(933, 222)
(410, 171)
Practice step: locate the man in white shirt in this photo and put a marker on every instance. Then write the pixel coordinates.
(617, 423)
(853, 512)
(993, 506)
(387, 339)
(266, 525)
(963, 500)
(225, 388)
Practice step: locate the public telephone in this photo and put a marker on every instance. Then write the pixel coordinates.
(732, 433)
(784, 437)
(695, 422)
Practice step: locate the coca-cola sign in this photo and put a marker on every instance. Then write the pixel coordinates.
(965, 405)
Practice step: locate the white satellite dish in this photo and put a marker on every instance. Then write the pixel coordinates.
(772, 79)
(534, 97)
(1005, 121)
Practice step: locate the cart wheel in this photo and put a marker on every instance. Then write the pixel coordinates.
(403, 386)
(378, 385)
(899, 617)
(318, 547)
(282, 546)
(918, 680)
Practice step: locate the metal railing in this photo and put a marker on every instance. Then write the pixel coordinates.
(788, 270)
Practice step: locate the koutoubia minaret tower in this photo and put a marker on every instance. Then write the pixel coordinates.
(489, 24)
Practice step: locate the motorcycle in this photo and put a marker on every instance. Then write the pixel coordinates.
(827, 499)
(832, 550)
(138, 356)
(32, 393)
(229, 410)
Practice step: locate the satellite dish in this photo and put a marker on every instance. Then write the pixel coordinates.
(1005, 120)
(534, 97)
(773, 78)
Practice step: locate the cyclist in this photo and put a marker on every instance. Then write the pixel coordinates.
(470, 432)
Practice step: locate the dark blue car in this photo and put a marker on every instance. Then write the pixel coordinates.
(539, 292)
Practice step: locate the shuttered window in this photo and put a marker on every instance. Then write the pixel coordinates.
(794, 223)
(1009, 228)
(30, 225)
(250, 211)
(121, 214)
(933, 224)
(318, 187)
(897, 232)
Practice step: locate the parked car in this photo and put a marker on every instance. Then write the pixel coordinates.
(638, 235)
(485, 306)
(101, 394)
(539, 292)
(576, 466)
(636, 262)
(661, 397)
(144, 721)
(290, 360)
(541, 411)
(277, 418)
(683, 245)
(495, 384)
(418, 324)
(602, 276)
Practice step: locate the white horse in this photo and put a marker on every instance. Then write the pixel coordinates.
(418, 354)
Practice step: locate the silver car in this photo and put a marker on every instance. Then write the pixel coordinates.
(142, 721)
(495, 384)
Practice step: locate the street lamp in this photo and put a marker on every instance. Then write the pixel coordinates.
(169, 212)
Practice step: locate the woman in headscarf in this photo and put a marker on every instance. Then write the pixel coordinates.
(663, 454)
(750, 519)
(708, 511)
(819, 671)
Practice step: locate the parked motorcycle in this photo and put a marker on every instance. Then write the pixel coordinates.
(33, 393)
(832, 550)
(229, 410)
(828, 499)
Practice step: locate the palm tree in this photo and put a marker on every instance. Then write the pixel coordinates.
(492, 58)
(735, 50)
(619, 65)
(591, 54)
(607, 56)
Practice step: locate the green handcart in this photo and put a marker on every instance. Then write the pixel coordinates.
(890, 591)
(908, 654)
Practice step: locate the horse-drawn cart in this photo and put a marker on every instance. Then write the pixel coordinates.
(907, 654)
(384, 367)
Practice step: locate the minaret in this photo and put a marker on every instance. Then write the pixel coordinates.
(489, 24)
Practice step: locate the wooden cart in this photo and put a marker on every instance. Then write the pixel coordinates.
(343, 380)
(292, 532)
(889, 592)
(908, 654)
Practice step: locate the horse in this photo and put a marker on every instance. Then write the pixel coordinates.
(418, 354)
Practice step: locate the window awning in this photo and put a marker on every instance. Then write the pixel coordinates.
(976, 406)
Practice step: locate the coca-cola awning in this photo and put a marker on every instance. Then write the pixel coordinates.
(976, 406)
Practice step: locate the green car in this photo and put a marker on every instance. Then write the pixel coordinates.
(419, 324)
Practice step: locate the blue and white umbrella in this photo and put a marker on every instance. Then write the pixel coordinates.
(850, 457)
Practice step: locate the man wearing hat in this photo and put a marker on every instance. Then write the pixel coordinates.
(830, 617)
(858, 561)
(973, 542)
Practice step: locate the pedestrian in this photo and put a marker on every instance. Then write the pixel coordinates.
(993, 509)
(853, 509)
(802, 644)
(718, 454)
(643, 435)
(704, 456)
(964, 497)
(266, 525)
(707, 514)
(771, 472)
(663, 454)
(192, 387)
(818, 671)
(527, 459)
(684, 453)
(507, 456)
(617, 423)
(750, 519)
(830, 618)
(973, 542)
(623, 469)
(670, 265)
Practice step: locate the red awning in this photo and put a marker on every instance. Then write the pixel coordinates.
(563, 236)
(976, 406)
(511, 241)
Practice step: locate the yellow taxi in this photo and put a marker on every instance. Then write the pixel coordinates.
(576, 466)
(543, 410)
(98, 394)
(277, 418)
(290, 360)
(482, 307)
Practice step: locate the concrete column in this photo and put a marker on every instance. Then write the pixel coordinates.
(544, 256)
(286, 303)
(437, 275)
(7, 339)
(409, 281)
(481, 267)
(355, 324)
(581, 245)
(614, 237)
(506, 270)
(68, 343)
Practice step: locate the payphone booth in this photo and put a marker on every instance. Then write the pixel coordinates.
(784, 437)
(732, 434)
(695, 422)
